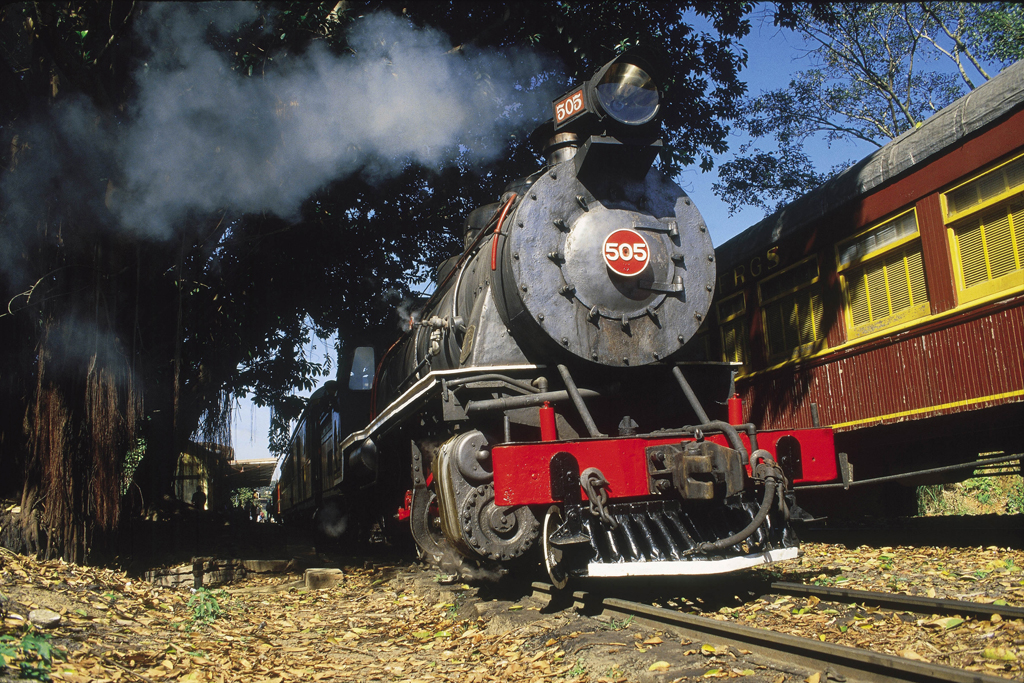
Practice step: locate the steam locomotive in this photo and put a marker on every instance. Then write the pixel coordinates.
(543, 406)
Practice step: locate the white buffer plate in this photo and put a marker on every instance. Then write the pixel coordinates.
(690, 567)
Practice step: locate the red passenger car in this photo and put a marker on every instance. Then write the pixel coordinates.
(889, 302)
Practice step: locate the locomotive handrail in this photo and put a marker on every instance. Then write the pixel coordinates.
(526, 401)
(690, 396)
(577, 399)
(497, 230)
(730, 432)
(490, 376)
(410, 399)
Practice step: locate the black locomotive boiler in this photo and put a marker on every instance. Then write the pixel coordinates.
(543, 407)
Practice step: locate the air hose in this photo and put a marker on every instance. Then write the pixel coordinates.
(771, 482)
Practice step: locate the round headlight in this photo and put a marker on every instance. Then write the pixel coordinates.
(628, 94)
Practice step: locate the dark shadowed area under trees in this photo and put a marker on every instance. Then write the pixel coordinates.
(189, 192)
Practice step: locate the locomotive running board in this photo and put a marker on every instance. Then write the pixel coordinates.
(689, 567)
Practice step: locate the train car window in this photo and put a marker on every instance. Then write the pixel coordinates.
(337, 464)
(301, 460)
(732, 321)
(982, 191)
(285, 482)
(985, 218)
(296, 447)
(791, 308)
(872, 241)
(327, 445)
(306, 459)
(361, 377)
(882, 276)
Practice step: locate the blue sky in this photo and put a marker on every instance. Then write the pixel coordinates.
(773, 56)
(250, 424)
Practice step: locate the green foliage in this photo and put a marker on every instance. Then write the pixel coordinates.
(578, 670)
(204, 605)
(981, 488)
(242, 497)
(130, 463)
(769, 180)
(996, 28)
(619, 624)
(993, 494)
(7, 648)
(33, 653)
(1015, 498)
(928, 498)
(876, 71)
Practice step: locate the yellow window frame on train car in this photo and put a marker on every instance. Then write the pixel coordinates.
(986, 236)
(1001, 181)
(882, 276)
(732, 324)
(788, 303)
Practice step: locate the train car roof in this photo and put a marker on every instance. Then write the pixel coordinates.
(329, 387)
(976, 111)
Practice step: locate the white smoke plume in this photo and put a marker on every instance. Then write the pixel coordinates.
(203, 137)
(409, 313)
(200, 136)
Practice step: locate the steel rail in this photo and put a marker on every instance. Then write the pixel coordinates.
(785, 649)
(901, 603)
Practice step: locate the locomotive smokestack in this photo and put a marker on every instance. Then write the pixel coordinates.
(561, 147)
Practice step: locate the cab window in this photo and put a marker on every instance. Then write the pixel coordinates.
(361, 377)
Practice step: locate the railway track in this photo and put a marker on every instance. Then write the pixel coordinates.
(900, 603)
(835, 662)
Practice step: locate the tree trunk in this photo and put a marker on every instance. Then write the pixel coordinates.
(82, 418)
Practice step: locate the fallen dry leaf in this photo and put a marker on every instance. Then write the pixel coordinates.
(910, 654)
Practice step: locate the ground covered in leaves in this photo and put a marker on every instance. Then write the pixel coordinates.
(992, 575)
(389, 621)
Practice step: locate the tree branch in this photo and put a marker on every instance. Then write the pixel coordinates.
(114, 34)
(961, 47)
